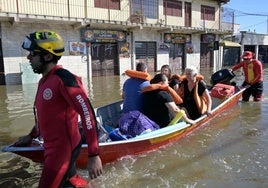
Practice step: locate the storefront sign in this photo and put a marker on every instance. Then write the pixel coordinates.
(102, 35)
(207, 38)
(163, 48)
(176, 38)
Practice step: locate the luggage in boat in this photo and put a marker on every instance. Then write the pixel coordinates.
(222, 91)
(222, 76)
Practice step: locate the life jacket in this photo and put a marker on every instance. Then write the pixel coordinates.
(176, 76)
(201, 101)
(183, 77)
(177, 99)
(138, 74)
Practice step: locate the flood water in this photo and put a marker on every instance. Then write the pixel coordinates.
(229, 151)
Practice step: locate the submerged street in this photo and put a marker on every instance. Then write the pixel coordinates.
(229, 151)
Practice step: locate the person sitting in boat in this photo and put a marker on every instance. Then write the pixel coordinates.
(195, 95)
(159, 104)
(173, 80)
(132, 94)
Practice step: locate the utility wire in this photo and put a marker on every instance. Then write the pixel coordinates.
(248, 13)
(238, 13)
(255, 24)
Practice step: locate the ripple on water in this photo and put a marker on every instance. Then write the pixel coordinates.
(18, 172)
(11, 182)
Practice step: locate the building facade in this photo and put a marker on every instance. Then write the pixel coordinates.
(106, 37)
(244, 41)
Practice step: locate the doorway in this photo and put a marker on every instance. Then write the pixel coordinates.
(146, 52)
(177, 57)
(188, 14)
(104, 59)
(206, 56)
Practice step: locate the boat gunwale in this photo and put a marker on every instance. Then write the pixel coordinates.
(14, 149)
(199, 120)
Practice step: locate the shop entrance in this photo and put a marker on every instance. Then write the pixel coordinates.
(104, 59)
(177, 58)
(206, 56)
(146, 52)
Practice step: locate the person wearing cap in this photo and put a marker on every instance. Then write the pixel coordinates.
(253, 73)
(60, 98)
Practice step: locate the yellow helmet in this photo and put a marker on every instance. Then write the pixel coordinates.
(44, 40)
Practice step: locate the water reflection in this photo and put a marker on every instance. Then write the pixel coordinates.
(16, 119)
(231, 150)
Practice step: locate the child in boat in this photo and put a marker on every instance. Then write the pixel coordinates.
(158, 102)
(195, 95)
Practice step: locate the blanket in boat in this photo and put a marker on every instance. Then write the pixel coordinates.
(134, 123)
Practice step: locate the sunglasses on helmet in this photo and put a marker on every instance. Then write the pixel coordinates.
(29, 44)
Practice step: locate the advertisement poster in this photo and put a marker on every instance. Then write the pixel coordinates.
(77, 48)
(124, 50)
(102, 35)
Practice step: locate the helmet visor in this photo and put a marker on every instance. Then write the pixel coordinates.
(29, 44)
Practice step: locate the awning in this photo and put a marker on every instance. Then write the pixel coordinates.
(227, 43)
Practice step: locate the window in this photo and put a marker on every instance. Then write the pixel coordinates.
(173, 8)
(147, 8)
(109, 4)
(207, 13)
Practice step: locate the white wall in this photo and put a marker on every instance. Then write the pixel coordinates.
(13, 36)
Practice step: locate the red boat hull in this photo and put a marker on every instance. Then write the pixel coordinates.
(112, 151)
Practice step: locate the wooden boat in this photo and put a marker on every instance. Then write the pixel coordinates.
(114, 150)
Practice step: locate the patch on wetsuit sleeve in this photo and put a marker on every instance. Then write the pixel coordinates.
(67, 77)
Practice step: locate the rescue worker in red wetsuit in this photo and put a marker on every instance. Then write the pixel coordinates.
(253, 73)
(60, 98)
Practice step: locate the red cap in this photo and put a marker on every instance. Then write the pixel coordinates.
(248, 55)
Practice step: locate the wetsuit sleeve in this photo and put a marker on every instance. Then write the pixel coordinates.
(237, 66)
(75, 94)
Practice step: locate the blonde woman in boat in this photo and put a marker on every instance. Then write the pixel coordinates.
(195, 95)
(159, 102)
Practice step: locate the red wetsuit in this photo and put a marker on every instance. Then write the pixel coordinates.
(252, 71)
(253, 78)
(59, 100)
